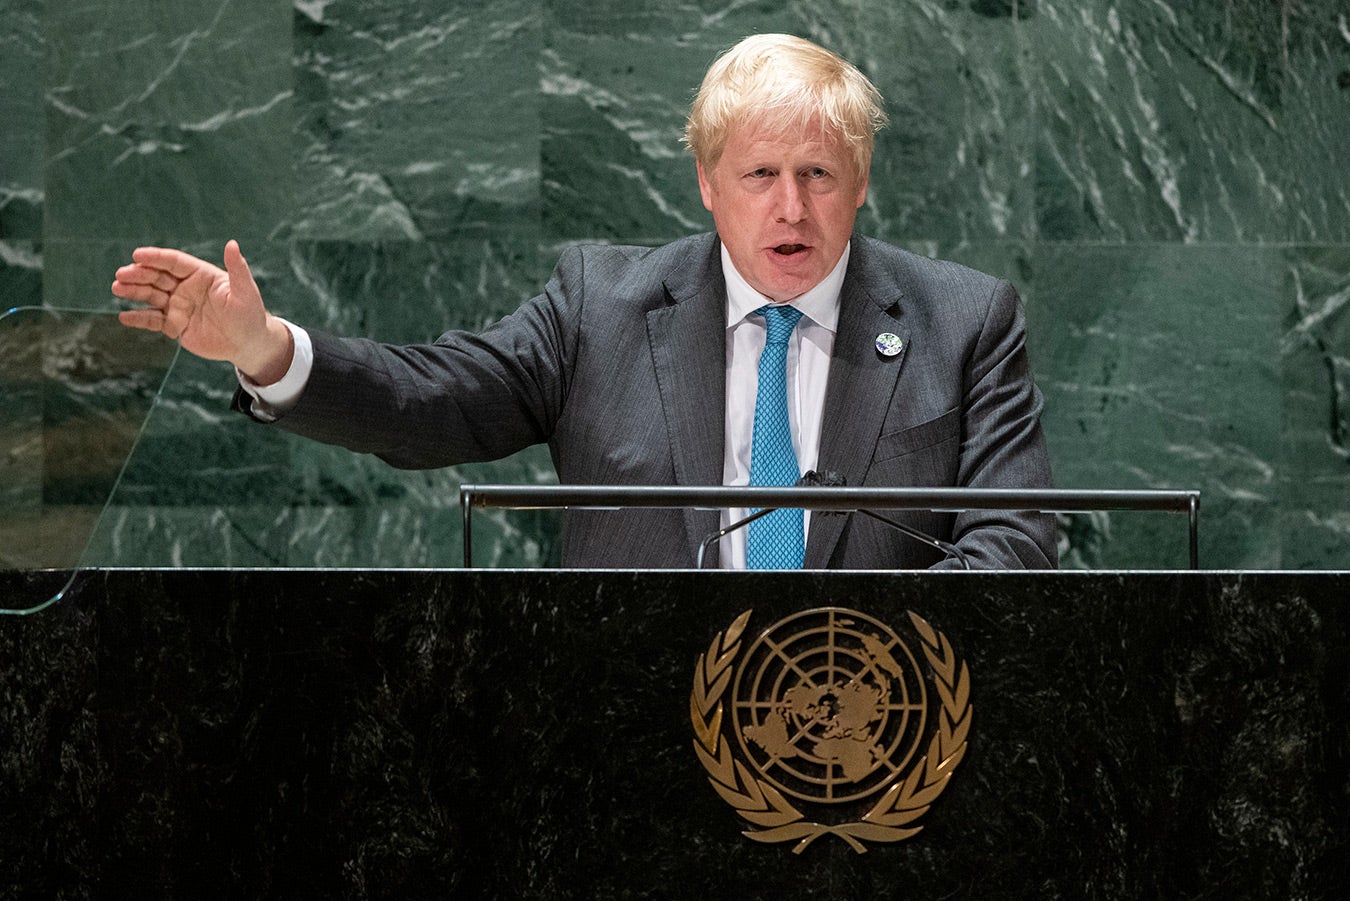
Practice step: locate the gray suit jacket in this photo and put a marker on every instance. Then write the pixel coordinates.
(620, 367)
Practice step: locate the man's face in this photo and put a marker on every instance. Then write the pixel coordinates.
(784, 204)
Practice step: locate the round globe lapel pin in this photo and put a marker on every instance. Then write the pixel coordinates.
(888, 345)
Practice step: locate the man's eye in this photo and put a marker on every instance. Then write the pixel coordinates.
(761, 173)
(816, 172)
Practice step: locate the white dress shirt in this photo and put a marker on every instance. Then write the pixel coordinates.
(272, 401)
(808, 369)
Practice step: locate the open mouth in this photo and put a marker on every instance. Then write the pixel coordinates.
(788, 250)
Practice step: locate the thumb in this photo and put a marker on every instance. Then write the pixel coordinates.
(242, 284)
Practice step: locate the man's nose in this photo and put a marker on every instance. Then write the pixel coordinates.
(791, 206)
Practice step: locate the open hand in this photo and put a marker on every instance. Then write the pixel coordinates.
(214, 313)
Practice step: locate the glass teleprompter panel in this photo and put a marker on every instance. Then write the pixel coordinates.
(76, 389)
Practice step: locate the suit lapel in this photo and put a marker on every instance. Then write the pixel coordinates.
(688, 346)
(861, 385)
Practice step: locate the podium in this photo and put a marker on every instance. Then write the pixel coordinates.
(267, 733)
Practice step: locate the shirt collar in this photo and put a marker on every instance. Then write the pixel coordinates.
(820, 304)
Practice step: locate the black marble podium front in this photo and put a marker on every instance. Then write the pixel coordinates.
(503, 734)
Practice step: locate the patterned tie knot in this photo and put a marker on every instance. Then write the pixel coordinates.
(780, 319)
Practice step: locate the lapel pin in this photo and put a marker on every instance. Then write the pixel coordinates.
(889, 345)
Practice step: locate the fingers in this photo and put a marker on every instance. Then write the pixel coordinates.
(136, 274)
(141, 293)
(176, 263)
(150, 286)
(170, 324)
(157, 272)
(155, 275)
(242, 283)
(150, 320)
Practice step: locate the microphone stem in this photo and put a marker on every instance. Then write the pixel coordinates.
(946, 547)
(718, 535)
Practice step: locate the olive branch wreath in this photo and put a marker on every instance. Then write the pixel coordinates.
(758, 802)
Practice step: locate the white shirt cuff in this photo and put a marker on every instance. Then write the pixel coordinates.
(271, 402)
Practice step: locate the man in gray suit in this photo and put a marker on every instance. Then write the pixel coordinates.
(648, 366)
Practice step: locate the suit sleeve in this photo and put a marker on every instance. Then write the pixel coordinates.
(465, 398)
(1002, 444)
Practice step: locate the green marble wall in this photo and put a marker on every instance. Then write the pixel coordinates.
(1163, 179)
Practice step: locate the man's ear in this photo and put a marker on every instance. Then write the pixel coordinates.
(862, 192)
(704, 185)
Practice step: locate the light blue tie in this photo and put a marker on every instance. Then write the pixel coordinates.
(775, 541)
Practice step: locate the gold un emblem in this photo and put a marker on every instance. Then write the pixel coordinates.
(828, 712)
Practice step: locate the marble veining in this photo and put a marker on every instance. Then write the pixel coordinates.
(1162, 181)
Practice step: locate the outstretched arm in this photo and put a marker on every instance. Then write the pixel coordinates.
(214, 313)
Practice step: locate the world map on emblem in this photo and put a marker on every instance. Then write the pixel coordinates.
(829, 705)
(889, 345)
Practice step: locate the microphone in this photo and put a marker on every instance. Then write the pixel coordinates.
(831, 479)
(835, 480)
(827, 479)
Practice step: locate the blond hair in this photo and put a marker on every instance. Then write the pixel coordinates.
(778, 82)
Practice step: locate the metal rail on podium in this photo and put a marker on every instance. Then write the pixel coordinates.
(832, 499)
